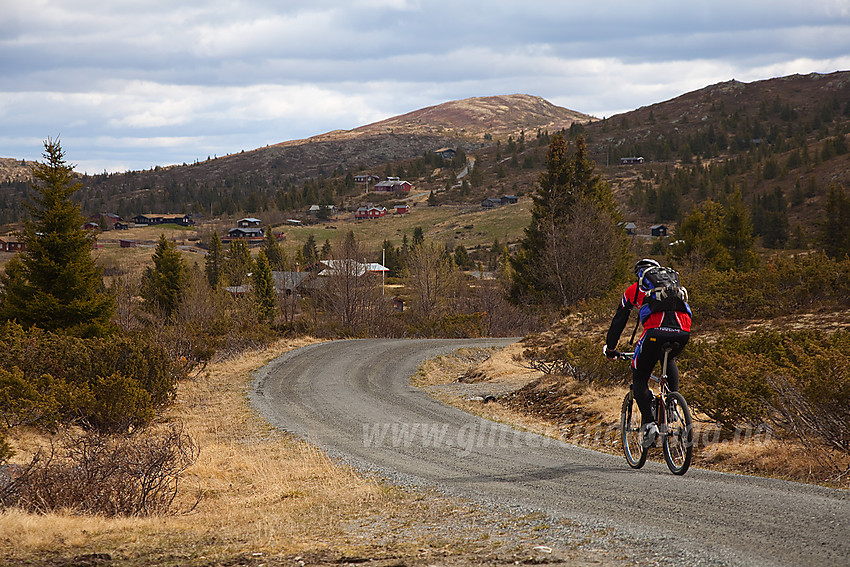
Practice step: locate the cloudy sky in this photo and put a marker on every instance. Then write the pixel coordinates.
(130, 84)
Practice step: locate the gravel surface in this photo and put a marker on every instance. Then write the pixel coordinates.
(354, 400)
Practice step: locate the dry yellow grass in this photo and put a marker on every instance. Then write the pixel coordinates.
(263, 492)
(266, 495)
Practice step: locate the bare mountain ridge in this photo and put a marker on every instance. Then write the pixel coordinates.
(457, 124)
(12, 170)
(470, 119)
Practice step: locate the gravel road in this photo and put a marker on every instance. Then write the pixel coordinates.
(353, 399)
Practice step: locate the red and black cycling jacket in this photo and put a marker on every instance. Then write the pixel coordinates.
(672, 321)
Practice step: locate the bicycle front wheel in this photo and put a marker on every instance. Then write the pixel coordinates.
(630, 432)
(679, 438)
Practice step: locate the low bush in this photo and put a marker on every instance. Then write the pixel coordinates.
(580, 359)
(111, 475)
(110, 384)
(799, 381)
(779, 286)
(725, 382)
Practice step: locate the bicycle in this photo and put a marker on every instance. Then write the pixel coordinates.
(673, 417)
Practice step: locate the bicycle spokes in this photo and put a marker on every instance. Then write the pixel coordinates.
(678, 438)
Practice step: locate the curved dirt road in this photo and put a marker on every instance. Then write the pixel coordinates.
(353, 399)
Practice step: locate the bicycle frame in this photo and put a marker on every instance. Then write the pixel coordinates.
(661, 397)
(664, 390)
(672, 416)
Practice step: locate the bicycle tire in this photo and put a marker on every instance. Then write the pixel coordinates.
(630, 433)
(678, 440)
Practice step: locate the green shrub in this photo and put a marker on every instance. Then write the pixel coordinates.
(725, 382)
(38, 400)
(780, 285)
(110, 384)
(787, 378)
(460, 325)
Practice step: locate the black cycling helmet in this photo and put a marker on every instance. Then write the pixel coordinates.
(643, 264)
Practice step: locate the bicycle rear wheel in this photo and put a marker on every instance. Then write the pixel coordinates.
(678, 440)
(630, 432)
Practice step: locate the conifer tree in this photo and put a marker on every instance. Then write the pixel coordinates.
(572, 249)
(738, 234)
(309, 251)
(55, 284)
(718, 236)
(238, 262)
(163, 284)
(265, 297)
(274, 252)
(700, 237)
(214, 262)
(835, 229)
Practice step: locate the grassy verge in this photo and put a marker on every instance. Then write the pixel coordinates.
(262, 492)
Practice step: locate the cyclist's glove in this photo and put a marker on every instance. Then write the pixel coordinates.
(609, 352)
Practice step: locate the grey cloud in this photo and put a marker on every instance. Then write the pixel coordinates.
(221, 76)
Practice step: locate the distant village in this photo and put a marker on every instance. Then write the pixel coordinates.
(251, 230)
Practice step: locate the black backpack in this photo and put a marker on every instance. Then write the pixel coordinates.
(662, 290)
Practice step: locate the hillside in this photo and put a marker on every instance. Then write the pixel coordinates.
(783, 136)
(780, 139)
(13, 170)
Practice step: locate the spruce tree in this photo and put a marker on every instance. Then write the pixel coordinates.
(265, 297)
(572, 248)
(738, 234)
(164, 283)
(835, 228)
(54, 283)
(309, 250)
(214, 262)
(274, 251)
(238, 262)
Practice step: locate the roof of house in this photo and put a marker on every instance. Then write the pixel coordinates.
(162, 215)
(359, 268)
(248, 231)
(289, 280)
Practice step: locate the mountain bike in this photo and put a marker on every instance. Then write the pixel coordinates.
(675, 426)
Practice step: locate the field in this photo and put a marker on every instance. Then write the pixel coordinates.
(469, 225)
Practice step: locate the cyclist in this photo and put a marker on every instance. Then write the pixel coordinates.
(658, 328)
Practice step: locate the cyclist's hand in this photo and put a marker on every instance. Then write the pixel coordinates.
(609, 353)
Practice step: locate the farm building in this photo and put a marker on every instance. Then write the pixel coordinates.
(248, 223)
(155, 218)
(393, 185)
(370, 212)
(631, 160)
(239, 232)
